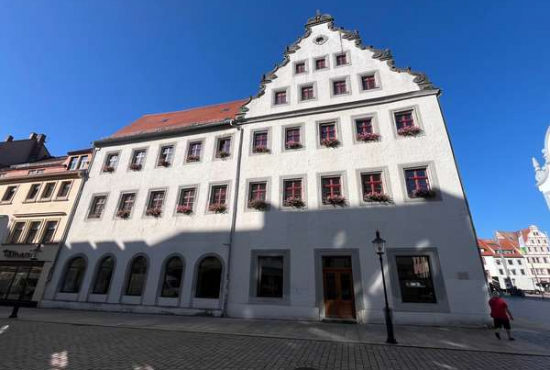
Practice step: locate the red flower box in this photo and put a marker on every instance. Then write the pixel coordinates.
(409, 131)
(124, 214)
(423, 193)
(184, 209)
(217, 208)
(335, 200)
(108, 169)
(294, 202)
(330, 143)
(293, 145)
(193, 158)
(155, 212)
(377, 197)
(260, 149)
(135, 167)
(368, 136)
(258, 204)
(223, 154)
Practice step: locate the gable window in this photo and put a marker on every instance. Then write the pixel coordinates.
(270, 277)
(165, 156)
(98, 206)
(155, 203)
(339, 87)
(138, 159)
(320, 63)
(48, 191)
(418, 183)
(111, 162)
(368, 82)
(300, 67)
(218, 199)
(341, 59)
(292, 138)
(73, 163)
(331, 189)
(83, 162)
(49, 233)
(415, 279)
(17, 232)
(259, 144)
(172, 278)
(307, 92)
(194, 151)
(126, 205)
(33, 192)
(104, 275)
(280, 97)
(292, 193)
(32, 232)
(64, 189)
(186, 201)
(9, 194)
(223, 149)
(136, 278)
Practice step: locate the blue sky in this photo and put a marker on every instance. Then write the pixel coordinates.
(79, 70)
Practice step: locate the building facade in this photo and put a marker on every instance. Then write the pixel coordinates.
(36, 201)
(542, 172)
(266, 208)
(534, 246)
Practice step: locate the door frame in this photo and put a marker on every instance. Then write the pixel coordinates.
(353, 253)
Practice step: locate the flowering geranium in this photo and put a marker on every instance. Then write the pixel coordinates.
(368, 136)
(193, 158)
(293, 145)
(261, 149)
(223, 154)
(217, 208)
(377, 197)
(258, 204)
(108, 169)
(294, 202)
(164, 163)
(186, 210)
(330, 143)
(123, 213)
(155, 212)
(423, 193)
(409, 131)
(135, 167)
(335, 200)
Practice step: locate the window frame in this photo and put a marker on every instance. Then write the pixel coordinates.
(38, 193)
(346, 79)
(37, 236)
(199, 261)
(188, 147)
(159, 154)
(65, 271)
(119, 203)
(375, 127)
(60, 187)
(306, 67)
(228, 194)
(267, 131)
(45, 229)
(386, 184)
(10, 240)
(313, 84)
(217, 144)
(254, 276)
(249, 182)
(274, 92)
(337, 54)
(97, 270)
(41, 198)
(160, 290)
(91, 204)
(305, 199)
(343, 188)
(106, 160)
(432, 178)
(132, 156)
(377, 79)
(149, 199)
(299, 126)
(327, 63)
(2, 201)
(337, 128)
(181, 188)
(416, 117)
(128, 275)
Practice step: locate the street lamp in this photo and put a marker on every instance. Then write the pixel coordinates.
(16, 305)
(380, 248)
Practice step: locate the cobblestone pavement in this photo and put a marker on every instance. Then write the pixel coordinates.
(26, 345)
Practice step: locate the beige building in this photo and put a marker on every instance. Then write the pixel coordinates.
(36, 204)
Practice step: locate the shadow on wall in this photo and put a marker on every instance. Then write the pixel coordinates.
(438, 227)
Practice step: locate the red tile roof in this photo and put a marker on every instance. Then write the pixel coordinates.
(488, 247)
(179, 119)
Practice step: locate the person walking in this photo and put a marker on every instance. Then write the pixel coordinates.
(501, 315)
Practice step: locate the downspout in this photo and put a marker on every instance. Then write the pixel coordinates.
(233, 219)
(67, 226)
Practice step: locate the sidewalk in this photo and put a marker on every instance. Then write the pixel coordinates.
(529, 340)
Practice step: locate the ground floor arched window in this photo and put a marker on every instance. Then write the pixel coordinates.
(209, 276)
(137, 276)
(171, 283)
(104, 275)
(74, 274)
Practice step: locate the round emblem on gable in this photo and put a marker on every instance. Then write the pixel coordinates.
(319, 40)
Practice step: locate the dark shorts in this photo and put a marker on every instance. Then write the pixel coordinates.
(499, 323)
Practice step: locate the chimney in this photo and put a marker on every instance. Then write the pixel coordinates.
(41, 138)
(9, 139)
(32, 136)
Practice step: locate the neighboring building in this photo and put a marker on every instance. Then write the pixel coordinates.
(535, 247)
(266, 208)
(23, 151)
(542, 172)
(38, 199)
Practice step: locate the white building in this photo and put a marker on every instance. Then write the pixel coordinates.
(283, 201)
(534, 246)
(542, 172)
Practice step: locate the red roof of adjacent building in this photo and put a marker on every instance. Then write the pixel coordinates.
(487, 247)
(184, 118)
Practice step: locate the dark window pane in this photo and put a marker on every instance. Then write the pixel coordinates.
(415, 279)
(33, 231)
(336, 262)
(209, 278)
(330, 286)
(136, 279)
(104, 274)
(270, 274)
(7, 273)
(172, 278)
(74, 275)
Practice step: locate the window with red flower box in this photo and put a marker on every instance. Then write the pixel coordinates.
(372, 183)
(364, 126)
(404, 119)
(368, 82)
(218, 197)
(186, 201)
(259, 143)
(194, 151)
(155, 203)
(223, 148)
(418, 182)
(126, 204)
(292, 193)
(331, 188)
(292, 138)
(165, 156)
(327, 132)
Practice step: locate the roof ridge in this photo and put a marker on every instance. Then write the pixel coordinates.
(189, 109)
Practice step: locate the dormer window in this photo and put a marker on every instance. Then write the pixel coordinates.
(280, 97)
(300, 67)
(320, 63)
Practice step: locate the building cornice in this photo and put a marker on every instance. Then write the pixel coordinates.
(41, 214)
(43, 177)
(341, 106)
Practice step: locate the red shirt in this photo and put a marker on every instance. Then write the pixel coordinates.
(498, 308)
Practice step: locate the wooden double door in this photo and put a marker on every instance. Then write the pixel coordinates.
(338, 287)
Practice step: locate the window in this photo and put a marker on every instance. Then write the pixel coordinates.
(73, 164)
(331, 188)
(137, 276)
(327, 131)
(372, 184)
(126, 205)
(320, 63)
(83, 162)
(17, 232)
(522, 271)
(186, 200)
(194, 151)
(165, 156)
(292, 192)
(259, 142)
(209, 278)
(292, 138)
(33, 192)
(510, 262)
(32, 232)
(155, 203)
(48, 190)
(404, 120)
(64, 189)
(74, 275)
(9, 194)
(513, 271)
(497, 262)
(223, 149)
(339, 87)
(280, 97)
(341, 59)
(104, 275)
(519, 262)
(138, 159)
(368, 82)
(49, 233)
(257, 195)
(98, 206)
(415, 279)
(300, 67)
(417, 182)
(172, 278)
(270, 277)
(363, 126)
(111, 162)
(307, 92)
(501, 271)
(218, 195)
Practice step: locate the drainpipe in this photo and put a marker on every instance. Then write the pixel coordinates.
(233, 219)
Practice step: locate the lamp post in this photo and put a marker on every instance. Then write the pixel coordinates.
(16, 305)
(380, 248)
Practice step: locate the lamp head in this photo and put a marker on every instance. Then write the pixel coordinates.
(379, 244)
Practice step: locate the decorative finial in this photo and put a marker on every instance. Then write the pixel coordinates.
(536, 164)
(318, 13)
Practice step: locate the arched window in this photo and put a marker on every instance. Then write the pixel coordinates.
(209, 278)
(104, 275)
(137, 276)
(172, 277)
(74, 275)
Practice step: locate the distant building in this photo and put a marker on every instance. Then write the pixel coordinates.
(37, 200)
(23, 151)
(542, 172)
(535, 247)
